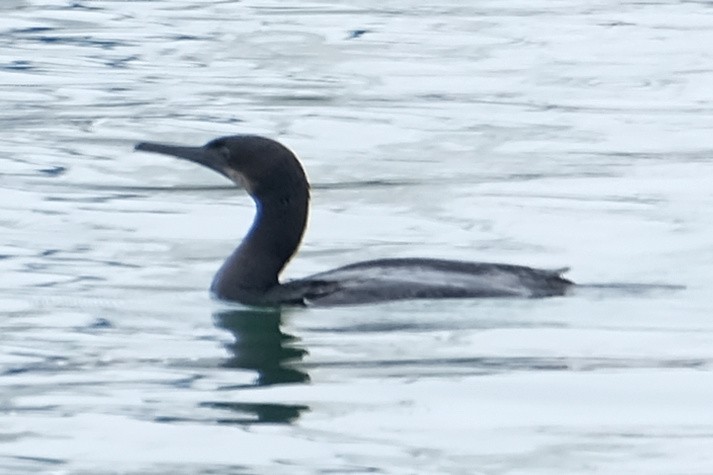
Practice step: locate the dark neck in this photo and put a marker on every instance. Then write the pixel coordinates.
(255, 265)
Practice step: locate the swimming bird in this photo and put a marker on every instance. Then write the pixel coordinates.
(276, 181)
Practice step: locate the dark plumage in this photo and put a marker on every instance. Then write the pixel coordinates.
(273, 176)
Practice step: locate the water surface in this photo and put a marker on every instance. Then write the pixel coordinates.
(538, 133)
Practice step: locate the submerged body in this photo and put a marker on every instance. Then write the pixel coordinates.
(274, 178)
(398, 279)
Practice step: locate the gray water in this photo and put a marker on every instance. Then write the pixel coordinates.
(544, 133)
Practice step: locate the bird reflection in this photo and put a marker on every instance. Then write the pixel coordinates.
(262, 346)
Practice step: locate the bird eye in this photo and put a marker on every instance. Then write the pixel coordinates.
(219, 146)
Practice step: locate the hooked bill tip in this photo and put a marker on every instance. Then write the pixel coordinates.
(194, 154)
(143, 146)
(159, 148)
